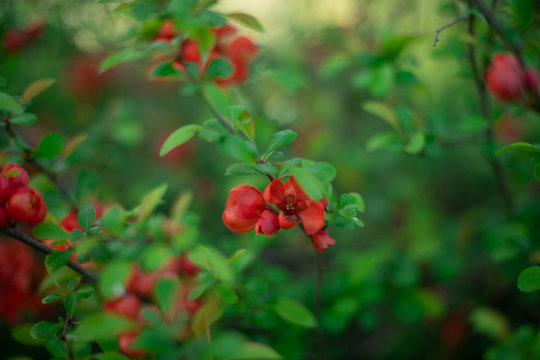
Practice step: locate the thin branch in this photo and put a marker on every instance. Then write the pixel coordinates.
(451, 23)
(496, 167)
(42, 169)
(68, 321)
(317, 301)
(28, 240)
(214, 112)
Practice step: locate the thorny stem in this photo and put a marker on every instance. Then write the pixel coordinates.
(451, 23)
(28, 240)
(42, 169)
(496, 167)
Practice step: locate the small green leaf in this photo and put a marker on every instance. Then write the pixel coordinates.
(237, 255)
(128, 54)
(8, 103)
(167, 70)
(23, 119)
(151, 201)
(236, 148)
(86, 218)
(252, 350)
(102, 326)
(212, 261)
(295, 313)
(383, 111)
(324, 171)
(529, 279)
(45, 330)
(177, 138)
(279, 139)
(537, 171)
(242, 169)
(114, 219)
(35, 89)
(113, 279)
(85, 292)
(490, 322)
(521, 146)
(309, 182)
(50, 230)
(167, 292)
(50, 146)
(226, 293)
(57, 259)
(218, 68)
(246, 20)
(22, 333)
(71, 303)
(415, 144)
(51, 298)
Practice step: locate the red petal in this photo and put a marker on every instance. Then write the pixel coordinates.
(274, 193)
(301, 196)
(234, 223)
(313, 217)
(267, 224)
(250, 203)
(287, 222)
(321, 240)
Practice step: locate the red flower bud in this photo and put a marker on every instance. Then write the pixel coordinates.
(141, 283)
(531, 81)
(13, 41)
(268, 224)
(244, 207)
(27, 205)
(125, 343)
(167, 32)
(504, 78)
(321, 240)
(12, 178)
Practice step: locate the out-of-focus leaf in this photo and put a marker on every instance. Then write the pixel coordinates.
(205, 316)
(57, 259)
(521, 146)
(128, 54)
(36, 88)
(309, 182)
(242, 169)
(178, 137)
(50, 146)
(295, 313)
(529, 279)
(22, 333)
(226, 293)
(212, 261)
(50, 230)
(113, 279)
(86, 218)
(537, 171)
(237, 148)
(73, 144)
(489, 322)
(101, 326)
(23, 119)
(246, 20)
(252, 350)
(167, 292)
(219, 68)
(415, 143)
(324, 171)
(45, 330)
(51, 298)
(110, 356)
(524, 12)
(8, 103)
(151, 201)
(383, 111)
(279, 139)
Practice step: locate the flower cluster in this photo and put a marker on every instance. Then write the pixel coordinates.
(280, 206)
(14, 40)
(507, 81)
(20, 275)
(238, 51)
(19, 201)
(138, 299)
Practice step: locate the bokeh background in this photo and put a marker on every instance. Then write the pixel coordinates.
(432, 275)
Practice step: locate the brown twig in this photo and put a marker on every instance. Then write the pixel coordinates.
(214, 112)
(451, 23)
(28, 240)
(68, 321)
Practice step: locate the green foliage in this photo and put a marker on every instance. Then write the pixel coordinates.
(529, 279)
(295, 313)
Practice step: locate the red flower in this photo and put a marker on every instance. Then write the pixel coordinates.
(321, 240)
(27, 205)
(127, 305)
(508, 81)
(243, 209)
(293, 204)
(167, 32)
(268, 224)
(12, 178)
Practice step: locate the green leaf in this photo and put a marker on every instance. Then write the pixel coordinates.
(167, 292)
(279, 139)
(151, 201)
(102, 326)
(218, 68)
(524, 12)
(537, 171)
(50, 230)
(85, 291)
(226, 293)
(23, 119)
(489, 322)
(114, 219)
(383, 111)
(51, 298)
(50, 146)
(205, 316)
(324, 171)
(415, 144)
(295, 313)
(128, 54)
(177, 138)
(521, 146)
(246, 20)
(8, 103)
(22, 333)
(252, 350)
(109, 356)
(529, 279)
(86, 218)
(242, 169)
(71, 303)
(57, 259)
(212, 261)
(309, 182)
(114, 277)
(35, 89)
(167, 70)
(45, 330)
(236, 148)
